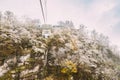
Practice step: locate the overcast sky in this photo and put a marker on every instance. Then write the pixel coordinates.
(101, 15)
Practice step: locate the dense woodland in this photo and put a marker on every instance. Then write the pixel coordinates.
(68, 54)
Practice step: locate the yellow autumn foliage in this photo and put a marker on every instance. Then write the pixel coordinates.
(69, 67)
(64, 70)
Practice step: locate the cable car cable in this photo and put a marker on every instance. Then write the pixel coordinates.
(42, 11)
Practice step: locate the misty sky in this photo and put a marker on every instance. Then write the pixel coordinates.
(101, 15)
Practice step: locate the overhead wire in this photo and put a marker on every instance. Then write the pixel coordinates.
(43, 14)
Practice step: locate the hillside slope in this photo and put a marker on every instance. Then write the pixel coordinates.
(68, 54)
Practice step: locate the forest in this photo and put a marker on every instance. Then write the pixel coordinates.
(66, 54)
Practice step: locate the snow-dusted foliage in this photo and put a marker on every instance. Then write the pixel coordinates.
(68, 54)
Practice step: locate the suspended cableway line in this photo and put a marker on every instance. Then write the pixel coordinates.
(43, 12)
